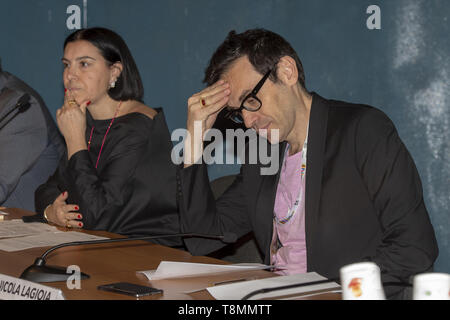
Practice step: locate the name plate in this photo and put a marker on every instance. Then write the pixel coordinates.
(12, 288)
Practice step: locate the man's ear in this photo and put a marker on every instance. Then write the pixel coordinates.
(287, 71)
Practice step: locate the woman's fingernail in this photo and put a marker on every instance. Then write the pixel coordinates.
(80, 224)
(88, 103)
(65, 89)
(76, 208)
(79, 216)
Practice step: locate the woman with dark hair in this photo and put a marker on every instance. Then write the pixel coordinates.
(117, 174)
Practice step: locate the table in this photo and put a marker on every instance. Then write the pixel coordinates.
(116, 262)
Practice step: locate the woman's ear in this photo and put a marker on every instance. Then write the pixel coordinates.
(287, 70)
(116, 70)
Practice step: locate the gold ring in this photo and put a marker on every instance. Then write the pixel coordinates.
(72, 102)
(68, 226)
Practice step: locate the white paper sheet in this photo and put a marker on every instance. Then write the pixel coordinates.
(46, 239)
(172, 269)
(18, 228)
(236, 291)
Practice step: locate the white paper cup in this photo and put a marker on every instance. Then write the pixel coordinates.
(361, 281)
(431, 286)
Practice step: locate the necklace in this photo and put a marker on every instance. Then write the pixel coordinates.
(104, 137)
(293, 210)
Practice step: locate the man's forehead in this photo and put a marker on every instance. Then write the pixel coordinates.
(241, 76)
(238, 69)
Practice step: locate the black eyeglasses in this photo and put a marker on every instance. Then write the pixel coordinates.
(250, 103)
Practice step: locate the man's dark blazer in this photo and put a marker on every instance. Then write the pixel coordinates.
(363, 198)
(30, 144)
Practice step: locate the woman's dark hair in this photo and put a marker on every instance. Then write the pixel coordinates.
(114, 49)
(263, 48)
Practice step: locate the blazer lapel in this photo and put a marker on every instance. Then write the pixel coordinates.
(314, 168)
(265, 202)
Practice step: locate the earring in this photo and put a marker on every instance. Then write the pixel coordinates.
(112, 84)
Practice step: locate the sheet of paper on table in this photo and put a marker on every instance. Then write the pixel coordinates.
(18, 228)
(172, 269)
(236, 291)
(46, 239)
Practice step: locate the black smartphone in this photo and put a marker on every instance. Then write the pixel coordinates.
(130, 289)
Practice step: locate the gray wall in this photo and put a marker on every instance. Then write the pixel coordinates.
(402, 68)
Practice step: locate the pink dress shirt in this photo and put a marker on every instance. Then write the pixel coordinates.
(290, 258)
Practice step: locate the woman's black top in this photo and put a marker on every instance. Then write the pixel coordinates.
(133, 190)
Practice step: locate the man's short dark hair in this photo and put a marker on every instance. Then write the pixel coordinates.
(263, 48)
(114, 49)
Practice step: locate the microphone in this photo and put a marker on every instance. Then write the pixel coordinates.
(40, 272)
(21, 106)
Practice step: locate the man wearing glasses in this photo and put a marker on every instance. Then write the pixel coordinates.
(347, 189)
